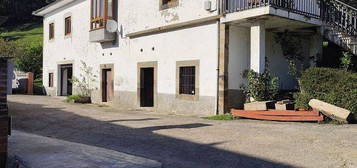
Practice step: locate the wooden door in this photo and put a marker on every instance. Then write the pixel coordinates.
(107, 85)
(66, 80)
(147, 87)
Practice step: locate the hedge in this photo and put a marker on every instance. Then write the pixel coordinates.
(333, 86)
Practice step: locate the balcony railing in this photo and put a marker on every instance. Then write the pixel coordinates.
(99, 22)
(340, 16)
(101, 12)
(310, 8)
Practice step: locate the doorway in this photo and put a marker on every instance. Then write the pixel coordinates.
(66, 79)
(107, 85)
(147, 87)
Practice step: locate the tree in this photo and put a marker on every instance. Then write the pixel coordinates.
(84, 82)
(7, 49)
(29, 59)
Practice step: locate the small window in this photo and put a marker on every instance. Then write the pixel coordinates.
(165, 4)
(68, 26)
(51, 31)
(187, 80)
(50, 80)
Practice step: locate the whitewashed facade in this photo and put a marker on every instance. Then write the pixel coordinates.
(193, 33)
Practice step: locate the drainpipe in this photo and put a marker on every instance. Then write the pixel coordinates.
(218, 62)
(220, 6)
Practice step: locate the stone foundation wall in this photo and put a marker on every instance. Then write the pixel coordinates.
(4, 119)
(235, 99)
(166, 104)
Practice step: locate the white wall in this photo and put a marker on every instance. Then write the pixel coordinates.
(239, 56)
(77, 47)
(194, 43)
(146, 14)
(191, 43)
(279, 65)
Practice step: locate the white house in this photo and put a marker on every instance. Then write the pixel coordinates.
(173, 56)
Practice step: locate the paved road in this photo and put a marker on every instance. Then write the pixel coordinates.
(42, 152)
(188, 142)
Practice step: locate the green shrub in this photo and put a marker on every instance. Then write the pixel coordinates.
(72, 98)
(261, 87)
(302, 100)
(333, 86)
(38, 88)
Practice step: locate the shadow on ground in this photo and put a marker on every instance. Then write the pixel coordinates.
(171, 152)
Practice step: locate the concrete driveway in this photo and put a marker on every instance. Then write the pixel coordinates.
(188, 142)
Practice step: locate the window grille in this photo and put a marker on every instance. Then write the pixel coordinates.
(187, 82)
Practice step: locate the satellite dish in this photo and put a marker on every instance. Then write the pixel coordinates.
(112, 26)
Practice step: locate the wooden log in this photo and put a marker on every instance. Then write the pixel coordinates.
(330, 110)
(278, 112)
(278, 118)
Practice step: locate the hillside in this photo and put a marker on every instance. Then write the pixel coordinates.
(23, 34)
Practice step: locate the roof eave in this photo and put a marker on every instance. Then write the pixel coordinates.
(51, 7)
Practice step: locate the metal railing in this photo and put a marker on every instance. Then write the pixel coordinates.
(340, 16)
(310, 8)
(334, 13)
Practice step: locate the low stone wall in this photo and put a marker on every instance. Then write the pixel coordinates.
(4, 119)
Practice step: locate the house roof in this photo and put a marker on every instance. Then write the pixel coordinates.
(51, 7)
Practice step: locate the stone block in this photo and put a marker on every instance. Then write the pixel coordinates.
(330, 110)
(288, 106)
(263, 105)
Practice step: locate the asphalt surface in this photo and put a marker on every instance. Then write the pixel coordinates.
(188, 142)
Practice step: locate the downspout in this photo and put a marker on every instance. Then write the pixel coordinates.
(218, 62)
(220, 6)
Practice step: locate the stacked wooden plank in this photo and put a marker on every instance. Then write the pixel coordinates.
(279, 115)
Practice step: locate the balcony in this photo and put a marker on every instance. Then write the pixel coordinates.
(101, 12)
(307, 11)
(309, 8)
(98, 32)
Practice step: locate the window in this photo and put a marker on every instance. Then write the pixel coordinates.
(50, 80)
(101, 11)
(51, 31)
(165, 4)
(187, 80)
(67, 26)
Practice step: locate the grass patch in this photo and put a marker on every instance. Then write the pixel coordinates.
(221, 117)
(23, 34)
(71, 98)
